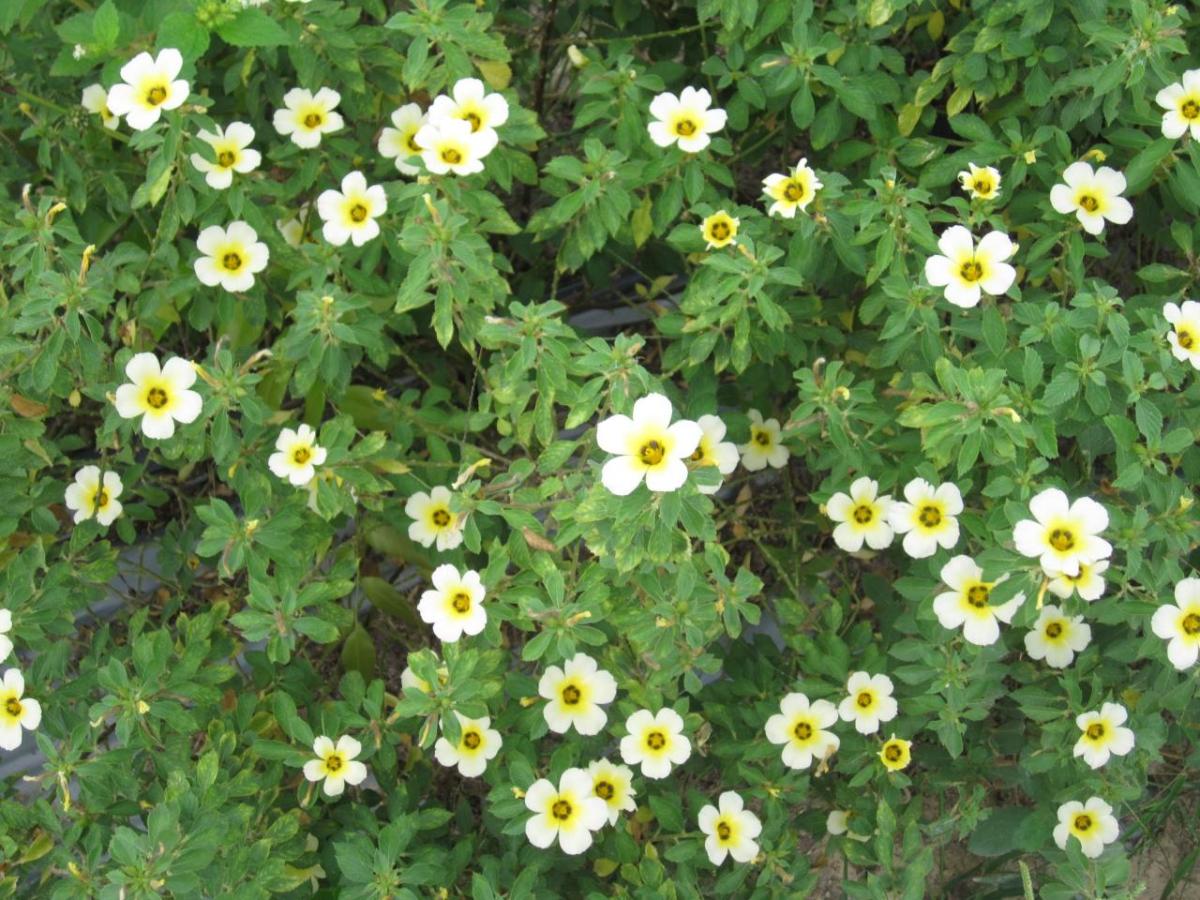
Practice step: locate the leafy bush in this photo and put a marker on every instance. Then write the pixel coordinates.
(334, 564)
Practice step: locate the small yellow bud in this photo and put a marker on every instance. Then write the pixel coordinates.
(518, 793)
(1095, 153)
(1030, 157)
(575, 55)
(74, 399)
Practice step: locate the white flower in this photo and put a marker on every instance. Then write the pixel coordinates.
(454, 606)
(16, 710)
(160, 396)
(869, 703)
(800, 727)
(1087, 582)
(646, 446)
(713, 450)
(577, 693)
(292, 228)
(95, 101)
(433, 520)
(296, 455)
(793, 191)
(967, 271)
(861, 515)
(477, 743)
(765, 447)
(685, 119)
(150, 86)
(349, 214)
(731, 830)
(1184, 337)
(1061, 534)
(452, 147)
(980, 182)
(655, 741)
(1179, 623)
(1181, 101)
(719, 230)
(6, 644)
(1103, 734)
(87, 498)
(1093, 196)
(336, 764)
(307, 116)
(471, 103)
(231, 153)
(1092, 823)
(968, 605)
(568, 813)
(927, 520)
(614, 785)
(232, 257)
(399, 142)
(1056, 637)
(837, 822)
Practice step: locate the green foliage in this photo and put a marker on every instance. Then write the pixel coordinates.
(187, 656)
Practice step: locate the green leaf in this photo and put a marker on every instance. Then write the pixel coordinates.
(106, 24)
(358, 653)
(253, 27)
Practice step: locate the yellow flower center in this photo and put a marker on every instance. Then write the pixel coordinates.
(301, 455)
(440, 517)
(411, 142)
(652, 453)
(863, 514)
(1054, 630)
(983, 185)
(334, 762)
(156, 398)
(101, 498)
(1062, 539)
(865, 700)
(930, 516)
(718, 230)
(686, 126)
(893, 752)
(793, 191)
(451, 156)
(474, 119)
(226, 158)
(571, 695)
(156, 95)
(723, 830)
(1191, 624)
(1095, 731)
(1083, 822)
(471, 739)
(461, 601)
(656, 740)
(231, 261)
(561, 809)
(358, 213)
(604, 790)
(977, 595)
(1089, 203)
(803, 731)
(12, 706)
(1190, 109)
(762, 437)
(1184, 336)
(971, 270)
(313, 120)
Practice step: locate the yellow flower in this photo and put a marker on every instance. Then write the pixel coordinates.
(980, 182)
(719, 230)
(895, 754)
(793, 191)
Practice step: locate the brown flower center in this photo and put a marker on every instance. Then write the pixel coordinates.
(358, 213)
(1191, 623)
(461, 601)
(1184, 336)
(333, 762)
(1062, 539)
(231, 261)
(156, 398)
(761, 437)
(863, 514)
(686, 127)
(803, 731)
(471, 740)
(1095, 731)
(724, 831)
(473, 118)
(561, 810)
(793, 191)
(301, 455)
(101, 498)
(156, 95)
(1083, 822)
(656, 740)
(441, 518)
(930, 516)
(571, 695)
(1190, 109)
(12, 706)
(971, 271)
(977, 595)
(983, 185)
(604, 790)
(893, 752)
(652, 453)
(1089, 203)
(719, 230)
(865, 699)
(313, 120)
(226, 158)
(1054, 630)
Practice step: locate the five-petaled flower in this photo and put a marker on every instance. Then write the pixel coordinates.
(88, 497)
(477, 743)
(980, 182)
(655, 741)
(230, 153)
(714, 450)
(336, 764)
(1184, 336)
(1062, 534)
(686, 120)
(719, 230)
(730, 829)
(967, 270)
(1057, 637)
(1093, 196)
(296, 455)
(765, 447)
(16, 710)
(793, 191)
(432, 520)
(613, 783)
(927, 517)
(568, 813)
(399, 141)
(862, 515)
(306, 116)
(800, 727)
(869, 702)
(161, 396)
(968, 605)
(150, 86)
(451, 146)
(454, 606)
(1181, 101)
(470, 102)
(1091, 823)
(1103, 734)
(577, 694)
(647, 446)
(895, 754)
(1178, 623)
(350, 214)
(231, 257)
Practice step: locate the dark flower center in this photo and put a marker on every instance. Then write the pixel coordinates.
(156, 95)
(301, 455)
(971, 271)
(571, 695)
(977, 595)
(604, 790)
(561, 810)
(1089, 203)
(451, 157)
(1062, 539)
(863, 514)
(156, 398)
(471, 740)
(724, 831)
(358, 212)
(1191, 623)
(441, 518)
(12, 706)
(865, 699)
(231, 261)
(226, 158)
(793, 191)
(893, 752)
(333, 762)
(686, 127)
(656, 740)
(1185, 338)
(652, 453)
(930, 516)
(461, 601)
(719, 230)
(1095, 731)
(1190, 109)
(473, 118)
(802, 731)
(313, 120)
(1054, 630)
(1083, 822)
